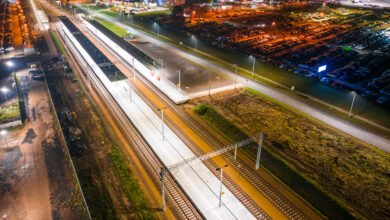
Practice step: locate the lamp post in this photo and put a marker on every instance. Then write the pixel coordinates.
(158, 29)
(4, 90)
(221, 180)
(11, 64)
(195, 42)
(179, 82)
(353, 101)
(4, 134)
(162, 121)
(253, 65)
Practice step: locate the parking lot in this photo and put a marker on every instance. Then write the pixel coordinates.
(353, 43)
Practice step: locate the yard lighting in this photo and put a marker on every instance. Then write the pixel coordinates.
(221, 180)
(158, 28)
(4, 134)
(10, 63)
(4, 90)
(353, 101)
(162, 121)
(195, 41)
(253, 64)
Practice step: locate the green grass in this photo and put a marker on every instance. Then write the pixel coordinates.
(117, 30)
(57, 42)
(93, 7)
(275, 164)
(154, 13)
(110, 13)
(130, 184)
(213, 118)
(9, 112)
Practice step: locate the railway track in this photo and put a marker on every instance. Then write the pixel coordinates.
(177, 199)
(286, 207)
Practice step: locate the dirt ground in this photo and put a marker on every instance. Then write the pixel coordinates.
(337, 163)
(36, 181)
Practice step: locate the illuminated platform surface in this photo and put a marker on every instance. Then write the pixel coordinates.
(165, 86)
(196, 179)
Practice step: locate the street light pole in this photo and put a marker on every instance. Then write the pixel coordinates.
(253, 66)
(221, 180)
(353, 101)
(4, 90)
(195, 41)
(158, 29)
(162, 121)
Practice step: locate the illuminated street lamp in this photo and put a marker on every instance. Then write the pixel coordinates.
(11, 64)
(195, 41)
(221, 180)
(179, 82)
(4, 134)
(253, 65)
(4, 90)
(353, 101)
(162, 121)
(158, 28)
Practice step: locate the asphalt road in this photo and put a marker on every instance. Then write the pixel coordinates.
(318, 114)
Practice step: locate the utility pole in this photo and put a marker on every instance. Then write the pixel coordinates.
(162, 121)
(259, 150)
(353, 101)
(221, 180)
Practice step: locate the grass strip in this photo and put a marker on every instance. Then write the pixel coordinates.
(323, 201)
(130, 185)
(114, 28)
(57, 42)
